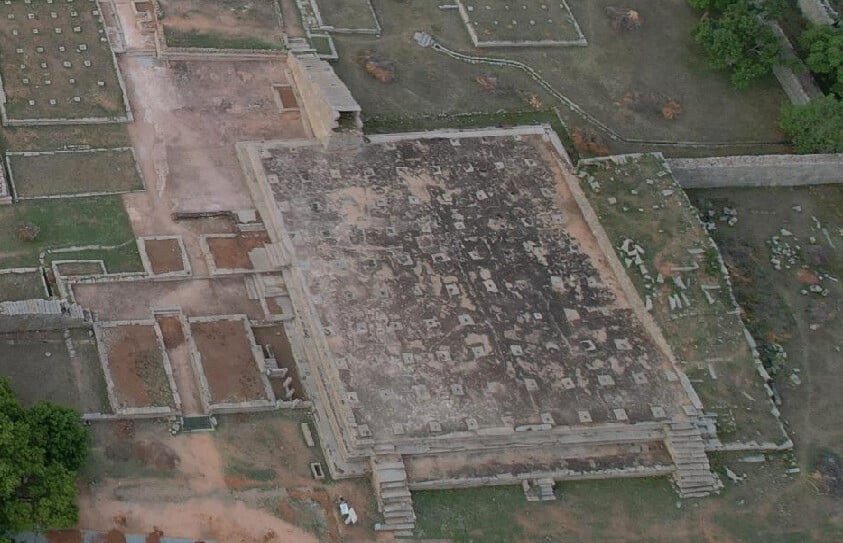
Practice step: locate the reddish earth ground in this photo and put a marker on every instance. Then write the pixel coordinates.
(164, 255)
(135, 363)
(172, 331)
(230, 368)
(233, 253)
(288, 97)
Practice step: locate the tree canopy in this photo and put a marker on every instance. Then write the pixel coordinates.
(738, 40)
(816, 127)
(40, 450)
(824, 45)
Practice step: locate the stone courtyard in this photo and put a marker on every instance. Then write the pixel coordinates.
(465, 320)
(459, 289)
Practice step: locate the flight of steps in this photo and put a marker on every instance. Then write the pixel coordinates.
(389, 478)
(43, 307)
(693, 475)
(298, 45)
(270, 257)
(538, 490)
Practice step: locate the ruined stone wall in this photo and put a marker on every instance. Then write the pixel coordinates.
(5, 197)
(792, 74)
(324, 98)
(758, 171)
(818, 11)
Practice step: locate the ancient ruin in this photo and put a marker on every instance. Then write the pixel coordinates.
(455, 308)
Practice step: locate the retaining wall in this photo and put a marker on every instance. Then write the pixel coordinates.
(818, 12)
(758, 171)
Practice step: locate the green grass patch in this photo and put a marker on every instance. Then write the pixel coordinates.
(202, 40)
(475, 514)
(239, 468)
(60, 138)
(124, 258)
(66, 223)
(21, 286)
(79, 172)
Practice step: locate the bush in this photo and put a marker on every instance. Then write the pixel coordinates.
(824, 46)
(40, 450)
(816, 127)
(27, 231)
(739, 41)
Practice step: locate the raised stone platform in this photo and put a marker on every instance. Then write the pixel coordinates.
(454, 299)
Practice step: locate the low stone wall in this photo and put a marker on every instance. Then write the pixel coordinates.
(758, 171)
(818, 12)
(792, 74)
(5, 197)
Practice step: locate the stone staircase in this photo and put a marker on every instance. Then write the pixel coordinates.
(298, 45)
(43, 307)
(389, 477)
(270, 257)
(538, 490)
(693, 475)
(264, 286)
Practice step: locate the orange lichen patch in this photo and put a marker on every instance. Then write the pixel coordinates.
(807, 277)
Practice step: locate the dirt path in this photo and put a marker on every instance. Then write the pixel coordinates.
(204, 509)
(292, 25)
(185, 381)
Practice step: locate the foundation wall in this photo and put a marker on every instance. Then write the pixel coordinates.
(818, 12)
(757, 171)
(324, 97)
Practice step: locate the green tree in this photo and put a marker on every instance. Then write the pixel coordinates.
(739, 41)
(712, 5)
(824, 45)
(816, 127)
(40, 450)
(773, 8)
(60, 436)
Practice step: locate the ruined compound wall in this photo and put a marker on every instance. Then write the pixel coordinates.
(5, 197)
(323, 96)
(818, 11)
(758, 171)
(792, 74)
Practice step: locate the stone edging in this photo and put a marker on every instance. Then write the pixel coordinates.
(580, 41)
(147, 265)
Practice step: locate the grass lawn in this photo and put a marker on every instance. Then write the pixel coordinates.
(21, 286)
(203, 40)
(768, 507)
(58, 138)
(658, 60)
(67, 223)
(76, 172)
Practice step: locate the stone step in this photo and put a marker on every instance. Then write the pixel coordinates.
(398, 506)
(254, 287)
(390, 526)
(695, 480)
(276, 255)
(396, 493)
(260, 259)
(392, 515)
